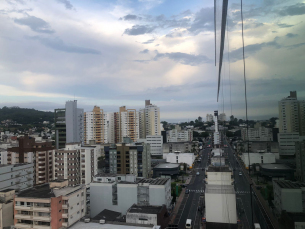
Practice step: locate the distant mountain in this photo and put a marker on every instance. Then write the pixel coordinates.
(25, 115)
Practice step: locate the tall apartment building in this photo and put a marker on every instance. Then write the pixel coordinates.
(300, 160)
(51, 206)
(76, 163)
(69, 124)
(119, 193)
(209, 118)
(41, 154)
(18, 176)
(291, 118)
(149, 120)
(128, 159)
(96, 126)
(258, 133)
(7, 208)
(128, 124)
(156, 144)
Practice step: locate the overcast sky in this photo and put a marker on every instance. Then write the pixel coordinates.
(121, 52)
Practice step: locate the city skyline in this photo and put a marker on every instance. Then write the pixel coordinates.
(123, 52)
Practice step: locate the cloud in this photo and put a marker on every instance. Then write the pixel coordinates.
(253, 25)
(58, 44)
(297, 9)
(184, 58)
(204, 21)
(250, 50)
(67, 4)
(148, 41)
(130, 17)
(291, 35)
(283, 25)
(144, 51)
(295, 46)
(176, 34)
(36, 24)
(139, 30)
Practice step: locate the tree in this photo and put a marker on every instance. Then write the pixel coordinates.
(229, 134)
(199, 119)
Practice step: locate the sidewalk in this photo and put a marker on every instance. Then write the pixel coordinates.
(179, 201)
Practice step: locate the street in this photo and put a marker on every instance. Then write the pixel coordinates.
(191, 201)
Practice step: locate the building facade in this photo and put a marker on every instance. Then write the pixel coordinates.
(17, 176)
(156, 144)
(50, 206)
(115, 195)
(187, 158)
(300, 160)
(7, 208)
(209, 118)
(128, 159)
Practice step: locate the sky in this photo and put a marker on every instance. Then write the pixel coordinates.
(122, 52)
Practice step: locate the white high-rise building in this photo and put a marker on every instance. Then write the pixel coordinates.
(95, 126)
(74, 122)
(289, 114)
(216, 133)
(222, 117)
(149, 120)
(209, 118)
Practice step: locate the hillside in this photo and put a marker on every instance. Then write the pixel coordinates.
(25, 116)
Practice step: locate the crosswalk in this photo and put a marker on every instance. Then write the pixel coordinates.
(197, 191)
(242, 192)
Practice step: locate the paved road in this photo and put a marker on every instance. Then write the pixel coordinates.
(191, 201)
(242, 189)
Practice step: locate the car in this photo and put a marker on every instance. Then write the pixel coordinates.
(240, 173)
(187, 191)
(197, 173)
(183, 185)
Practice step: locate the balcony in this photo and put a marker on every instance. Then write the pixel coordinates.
(41, 227)
(65, 206)
(23, 208)
(41, 209)
(42, 218)
(23, 225)
(65, 224)
(22, 216)
(65, 215)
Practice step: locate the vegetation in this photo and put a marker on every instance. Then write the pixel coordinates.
(25, 116)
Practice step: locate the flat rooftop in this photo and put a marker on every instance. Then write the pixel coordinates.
(145, 209)
(275, 166)
(16, 165)
(167, 166)
(156, 181)
(106, 175)
(219, 189)
(7, 190)
(83, 225)
(289, 184)
(107, 215)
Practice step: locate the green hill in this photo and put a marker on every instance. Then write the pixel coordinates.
(25, 116)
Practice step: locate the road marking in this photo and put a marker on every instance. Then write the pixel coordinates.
(197, 190)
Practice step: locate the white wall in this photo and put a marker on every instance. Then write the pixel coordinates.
(187, 158)
(135, 218)
(219, 178)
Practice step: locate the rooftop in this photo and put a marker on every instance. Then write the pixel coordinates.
(106, 175)
(289, 184)
(107, 215)
(275, 166)
(167, 165)
(145, 209)
(16, 165)
(157, 181)
(82, 225)
(7, 190)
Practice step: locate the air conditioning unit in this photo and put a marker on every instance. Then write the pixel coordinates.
(87, 220)
(102, 221)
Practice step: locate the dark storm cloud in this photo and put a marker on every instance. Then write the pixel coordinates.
(36, 24)
(184, 58)
(139, 30)
(144, 51)
(297, 9)
(58, 44)
(236, 55)
(204, 21)
(296, 45)
(67, 4)
(148, 41)
(291, 35)
(130, 17)
(283, 25)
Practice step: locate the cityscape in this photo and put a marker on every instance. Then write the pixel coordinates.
(152, 114)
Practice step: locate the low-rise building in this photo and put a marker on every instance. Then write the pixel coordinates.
(287, 143)
(7, 208)
(154, 215)
(178, 157)
(183, 147)
(118, 193)
(50, 206)
(17, 176)
(166, 170)
(289, 196)
(271, 171)
(257, 158)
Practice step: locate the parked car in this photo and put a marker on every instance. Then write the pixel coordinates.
(240, 173)
(183, 185)
(197, 173)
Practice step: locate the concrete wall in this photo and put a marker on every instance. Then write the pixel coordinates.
(187, 158)
(257, 158)
(219, 178)
(141, 218)
(6, 214)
